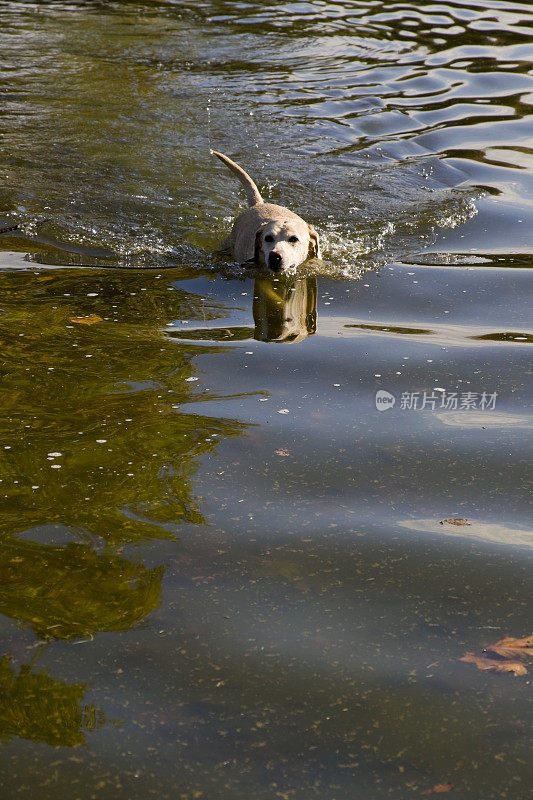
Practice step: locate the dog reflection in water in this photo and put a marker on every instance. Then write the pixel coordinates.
(284, 312)
(284, 309)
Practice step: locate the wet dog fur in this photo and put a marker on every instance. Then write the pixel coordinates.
(266, 234)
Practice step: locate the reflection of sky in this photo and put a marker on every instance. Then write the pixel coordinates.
(483, 419)
(487, 531)
(440, 335)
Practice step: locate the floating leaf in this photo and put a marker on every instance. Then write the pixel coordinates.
(90, 319)
(453, 521)
(494, 665)
(439, 788)
(508, 647)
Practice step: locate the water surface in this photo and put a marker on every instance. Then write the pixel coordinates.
(225, 572)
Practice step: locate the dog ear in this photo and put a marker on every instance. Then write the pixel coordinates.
(314, 244)
(259, 257)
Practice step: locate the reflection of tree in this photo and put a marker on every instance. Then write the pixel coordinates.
(92, 438)
(107, 397)
(71, 591)
(37, 707)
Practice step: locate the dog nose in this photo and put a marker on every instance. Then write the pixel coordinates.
(274, 260)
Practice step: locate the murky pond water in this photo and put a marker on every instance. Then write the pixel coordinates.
(225, 570)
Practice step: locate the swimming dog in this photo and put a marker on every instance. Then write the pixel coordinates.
(266, 234)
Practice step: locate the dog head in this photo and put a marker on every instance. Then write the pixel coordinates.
(280, 245)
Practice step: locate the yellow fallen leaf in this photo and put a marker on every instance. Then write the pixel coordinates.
(494, 665)
(508, 647)
(439, 788)
(90, 319)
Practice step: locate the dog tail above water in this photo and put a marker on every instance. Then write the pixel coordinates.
(252, 192)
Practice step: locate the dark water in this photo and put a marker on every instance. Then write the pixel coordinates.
(223, 572)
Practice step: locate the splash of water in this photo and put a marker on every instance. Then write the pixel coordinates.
(208, 109)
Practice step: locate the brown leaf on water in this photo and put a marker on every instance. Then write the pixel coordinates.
(454, 521)
(495, 665)
(508, 647)
(439, 788)
(90, 319)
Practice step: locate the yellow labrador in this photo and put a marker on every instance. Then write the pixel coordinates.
(267, 234)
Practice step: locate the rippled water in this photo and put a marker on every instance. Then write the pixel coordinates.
(225, 570)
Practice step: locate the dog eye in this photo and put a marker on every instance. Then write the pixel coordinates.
(269, 238)
(293, 239)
